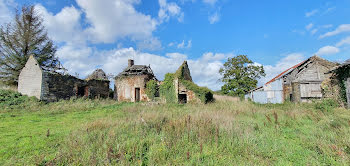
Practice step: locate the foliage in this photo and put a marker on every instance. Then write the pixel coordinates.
(240, 75)
(203, 93)
(167, 89)
(326, 105)
(25, 37)
(102, 132)
(342, 74)
(152, 89)
(10, 98)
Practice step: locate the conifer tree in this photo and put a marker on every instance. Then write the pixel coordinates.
(23, 37)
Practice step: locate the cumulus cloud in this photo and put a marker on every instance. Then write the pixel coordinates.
(282, 65)
(110, 20)
(214, 18)
(340, 29)
(168, 10)
(204, 70)
(327, 50)
(311, 13)
(64, 26)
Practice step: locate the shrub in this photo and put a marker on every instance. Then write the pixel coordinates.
(152, 89)
(10, 98)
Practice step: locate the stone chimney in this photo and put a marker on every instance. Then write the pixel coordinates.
(130, 62)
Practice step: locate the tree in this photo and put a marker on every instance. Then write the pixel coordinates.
(240, 75)
(24, 37)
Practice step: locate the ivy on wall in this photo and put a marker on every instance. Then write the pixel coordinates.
(167, 89)
(203, 93)
(152, 89)
(342, 74)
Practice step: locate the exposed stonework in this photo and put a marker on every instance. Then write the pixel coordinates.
(130, 85)
(49, 86)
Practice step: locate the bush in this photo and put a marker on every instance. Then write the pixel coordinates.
(326, 105)
(10, 98)
(152, 89)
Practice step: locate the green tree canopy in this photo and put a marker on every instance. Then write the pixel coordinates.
(23, 37)
(240, 75)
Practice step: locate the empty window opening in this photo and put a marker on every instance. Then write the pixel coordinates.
(137, 94)
(182, 98)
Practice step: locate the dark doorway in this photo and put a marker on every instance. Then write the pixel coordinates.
(182, 98)
(82, 91)
(137, 94)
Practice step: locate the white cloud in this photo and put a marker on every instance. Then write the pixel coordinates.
(150, 44)
(327, 50)
(6, 15)
(314, 31)
(110, 20)
(282, 65)
(345, 41)
(341, 29)
(183, 44)
(171, 44)
(64, 26)
(311, 13)
(214, 18)
(211, 2)
(204, 70)
(309, 26)
(168, 10)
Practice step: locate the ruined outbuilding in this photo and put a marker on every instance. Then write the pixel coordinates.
(51, 86)
(300, 83)
(130, 84)
(337, 87)
(186, 90)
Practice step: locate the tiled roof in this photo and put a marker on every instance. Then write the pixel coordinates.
(284, 73)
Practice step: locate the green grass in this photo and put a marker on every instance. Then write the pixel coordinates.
(103, 132)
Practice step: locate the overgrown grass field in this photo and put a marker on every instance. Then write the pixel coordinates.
(104, 132)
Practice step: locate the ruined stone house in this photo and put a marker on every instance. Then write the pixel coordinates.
(51, 86)
(300, 83)
(130, 84)
(183, 94)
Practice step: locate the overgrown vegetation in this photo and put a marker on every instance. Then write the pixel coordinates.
(10, 99)
(342, 74)
(152, 89)
(203, 93)
(102, 132)
(167, 89)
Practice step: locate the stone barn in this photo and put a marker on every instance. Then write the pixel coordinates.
(130, 84)
(51, 86)
(300, 83)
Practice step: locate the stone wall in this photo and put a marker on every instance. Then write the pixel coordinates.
(56, 86)
(98, 88)
(30, 79)
(124, 88)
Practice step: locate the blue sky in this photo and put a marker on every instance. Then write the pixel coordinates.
(163, 33)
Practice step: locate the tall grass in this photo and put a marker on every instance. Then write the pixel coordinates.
(221, 133)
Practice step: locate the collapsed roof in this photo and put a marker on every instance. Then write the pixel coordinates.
(135, 70)
(98, 74)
